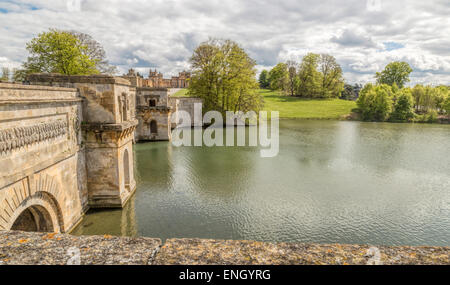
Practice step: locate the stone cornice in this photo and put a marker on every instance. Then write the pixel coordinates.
(110, 127)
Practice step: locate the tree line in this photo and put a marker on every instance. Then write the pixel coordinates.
(316, 76)
(224, 75)
(389, 100)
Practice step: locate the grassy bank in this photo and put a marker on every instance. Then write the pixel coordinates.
(181, 93)
(298, 108)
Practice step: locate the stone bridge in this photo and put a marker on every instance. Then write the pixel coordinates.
(66, 145)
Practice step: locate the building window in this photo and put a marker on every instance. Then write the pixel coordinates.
(152, 103)
(153, 127)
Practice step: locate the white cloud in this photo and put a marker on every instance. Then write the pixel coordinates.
(163, 33)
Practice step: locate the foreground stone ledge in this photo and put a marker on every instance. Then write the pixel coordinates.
(19, 248)
(211, 252)
(55, 249)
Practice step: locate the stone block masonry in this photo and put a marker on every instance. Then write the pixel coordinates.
(20, 248)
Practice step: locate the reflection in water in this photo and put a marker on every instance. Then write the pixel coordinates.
(114, 222)
(333, 182)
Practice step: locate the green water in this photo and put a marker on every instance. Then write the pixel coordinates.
(332, 182)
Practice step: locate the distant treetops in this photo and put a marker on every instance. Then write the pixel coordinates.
(317, 76)
(64, 52)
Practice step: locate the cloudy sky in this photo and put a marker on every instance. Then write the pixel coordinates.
(364, 35)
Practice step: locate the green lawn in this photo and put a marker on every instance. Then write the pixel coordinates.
(297, 108)
(181, 93)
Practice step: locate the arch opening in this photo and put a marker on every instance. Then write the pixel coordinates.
(126, 168)
(153, 127)
(34, 219)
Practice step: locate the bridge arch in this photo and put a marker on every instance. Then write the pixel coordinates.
(37, 210)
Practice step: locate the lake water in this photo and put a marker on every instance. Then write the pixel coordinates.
(332, 182)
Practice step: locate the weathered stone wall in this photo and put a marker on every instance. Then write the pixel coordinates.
(41, 156)
(19, 248)
(187, 104)
(109, 100)
(109, 110)
(66, 144)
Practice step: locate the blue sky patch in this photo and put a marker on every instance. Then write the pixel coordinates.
(390, 46)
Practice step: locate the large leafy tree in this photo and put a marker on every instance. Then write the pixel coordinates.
(332, 77)
(309, 77)
(264, 79)
(293, 78)
(225, 77)
(59, 52)
(395, 72)
(95, 51)
(279, 77)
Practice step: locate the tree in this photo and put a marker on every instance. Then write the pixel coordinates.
(418, 93)
(59, 52)
(395, 72)
(375, 102)
(332, 77)
(95, 51)
(440, 95)
(404, 107)
(292, 77)
(351, 92)
(447, 106)
(264, 79)
(279, 77)
(224, 77)
(19, 75)
(309, 78)
(5, 74)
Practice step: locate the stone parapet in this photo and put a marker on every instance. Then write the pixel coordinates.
(51, 79)
(10, 93)
(52, 249)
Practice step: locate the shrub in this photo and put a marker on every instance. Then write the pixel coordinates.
(404, 107)
(375, 102)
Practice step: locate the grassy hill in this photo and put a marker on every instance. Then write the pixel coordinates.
(298, 108)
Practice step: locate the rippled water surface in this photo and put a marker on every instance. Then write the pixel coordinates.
(333, 182)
